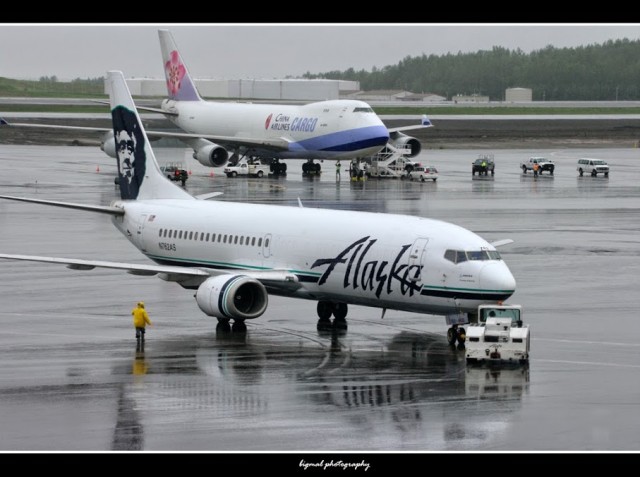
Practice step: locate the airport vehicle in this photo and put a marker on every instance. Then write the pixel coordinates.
(483, 165)
(544, 164)
(235, 254)
(247, 169)
(593, 167)
(423, 173)
(498, 336)
(175, 172)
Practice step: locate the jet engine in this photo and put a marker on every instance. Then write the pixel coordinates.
(232, 296)
(211, 155)
(108, 144)
(400, 140)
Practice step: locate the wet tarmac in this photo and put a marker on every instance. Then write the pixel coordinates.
(72, 379)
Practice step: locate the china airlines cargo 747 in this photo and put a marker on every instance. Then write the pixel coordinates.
(338, 129)
(235, 254)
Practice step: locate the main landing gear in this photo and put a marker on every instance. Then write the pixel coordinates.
(278, 168)
(224, 326)
(338, 310)
(311, 168)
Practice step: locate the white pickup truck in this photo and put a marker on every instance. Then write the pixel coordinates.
(544, 164)
(246, 169)
(499, 336)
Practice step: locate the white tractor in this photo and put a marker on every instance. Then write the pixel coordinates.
(499, 336)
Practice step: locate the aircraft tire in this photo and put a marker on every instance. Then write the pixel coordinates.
(324, 310)
(340, 311)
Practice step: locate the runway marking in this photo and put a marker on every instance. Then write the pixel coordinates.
(590, 363)
(608, 343)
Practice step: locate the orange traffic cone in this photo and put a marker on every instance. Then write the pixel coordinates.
(98, 168)
(211, 173)
(189, 171)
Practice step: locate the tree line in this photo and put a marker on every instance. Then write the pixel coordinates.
(595, 72)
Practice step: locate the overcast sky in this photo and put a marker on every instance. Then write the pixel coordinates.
(268, 50)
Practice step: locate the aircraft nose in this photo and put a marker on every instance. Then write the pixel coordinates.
(497, 277)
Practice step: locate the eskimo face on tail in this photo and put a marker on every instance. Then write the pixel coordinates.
(130, 151)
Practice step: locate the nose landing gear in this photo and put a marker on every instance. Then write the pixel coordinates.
(456, 334)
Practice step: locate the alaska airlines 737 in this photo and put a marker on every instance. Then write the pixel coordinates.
(235, 254)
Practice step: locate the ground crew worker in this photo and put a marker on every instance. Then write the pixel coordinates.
(140, 320)
(536, 166)
(338, 166)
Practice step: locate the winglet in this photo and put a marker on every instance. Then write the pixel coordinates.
(3, 122)
(180, 86)
(500, 243)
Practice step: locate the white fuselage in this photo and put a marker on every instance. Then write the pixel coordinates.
(337, 129)
(371, 259)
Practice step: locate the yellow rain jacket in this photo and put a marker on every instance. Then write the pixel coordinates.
(140, 317)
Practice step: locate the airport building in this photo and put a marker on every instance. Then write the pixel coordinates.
(273, 89)
(469, 99)
(518, 95)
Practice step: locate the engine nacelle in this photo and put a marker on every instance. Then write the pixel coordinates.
(232, 296)
(108, 144)
(211, 155)
(400, 140)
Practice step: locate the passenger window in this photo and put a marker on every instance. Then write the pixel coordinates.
(235, 239)
(241, 240)
(266, 242)
(225, 238)
(180, 234)
(260, 242)
(207, 237)
(160, 233)
(253, 241)
(190, 235)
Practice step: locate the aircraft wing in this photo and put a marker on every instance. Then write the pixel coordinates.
(52, 126)
(425, 122)
(275, 278)
(279, 144)
(143, 108)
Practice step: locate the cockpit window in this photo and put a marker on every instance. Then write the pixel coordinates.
(459, 256)
(363, 110)
(478, 255)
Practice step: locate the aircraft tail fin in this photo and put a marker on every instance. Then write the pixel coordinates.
(180, 85)
(138, 171)
(425, 121)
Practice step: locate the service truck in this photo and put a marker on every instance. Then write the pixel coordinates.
(246, 169)
(499, 336)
